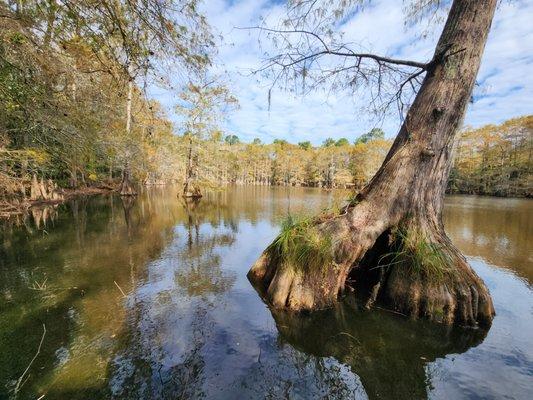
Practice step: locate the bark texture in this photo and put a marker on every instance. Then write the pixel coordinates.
(126, 186)
(396, 220)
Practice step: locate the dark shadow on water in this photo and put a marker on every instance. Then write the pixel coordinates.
(389, 353)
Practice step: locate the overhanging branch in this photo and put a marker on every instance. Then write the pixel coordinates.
(347, 53)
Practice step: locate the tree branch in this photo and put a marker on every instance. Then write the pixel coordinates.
(328, 51)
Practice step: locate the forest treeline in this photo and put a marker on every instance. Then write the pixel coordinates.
(491, 160)
(75, 113)
(495, 160)
(73, 79)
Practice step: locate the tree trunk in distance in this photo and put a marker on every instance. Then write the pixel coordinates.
(190, 186)
(73, 180)
(129, 101)
(53, 191)
(42, 189)
(389, 243)
(126, 186)
(35, 190)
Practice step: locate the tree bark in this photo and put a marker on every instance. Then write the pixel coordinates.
(73, 180)
(395, 223)
(35, 190)
(129, 101)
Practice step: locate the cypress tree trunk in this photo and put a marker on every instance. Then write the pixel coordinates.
(389, 244)
(35, 190)
(126, 186)
(190, 186)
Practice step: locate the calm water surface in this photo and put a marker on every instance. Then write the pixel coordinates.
(149, 299)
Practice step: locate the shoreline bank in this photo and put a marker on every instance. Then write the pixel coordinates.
(12, 208)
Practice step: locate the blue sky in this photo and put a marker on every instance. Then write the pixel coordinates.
(505, 79)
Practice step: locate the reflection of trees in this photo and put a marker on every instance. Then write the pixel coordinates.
(256, 203)
(283, 372)
(158, 341)
(498, 230)
(200, 272)
(79, 253)
(172, 316)
(44, 288)
(388, 353)
(43, 215)
(144, 369)
(127, 205)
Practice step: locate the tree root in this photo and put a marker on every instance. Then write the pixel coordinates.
(421, 276)
(460, 298)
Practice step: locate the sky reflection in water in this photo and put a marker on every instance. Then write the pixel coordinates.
(192, 326)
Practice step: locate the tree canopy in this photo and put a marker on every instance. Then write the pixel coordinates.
(68, 70)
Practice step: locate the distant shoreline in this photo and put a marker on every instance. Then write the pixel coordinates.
(8, 210)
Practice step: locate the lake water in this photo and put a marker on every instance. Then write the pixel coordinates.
(149, 299)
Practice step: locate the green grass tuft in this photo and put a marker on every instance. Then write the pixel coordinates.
(416, 255)
(299, 245)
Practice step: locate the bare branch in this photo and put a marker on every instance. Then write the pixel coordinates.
(327, 50)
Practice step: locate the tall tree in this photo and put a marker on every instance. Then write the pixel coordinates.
(390, 240)
(202, 106)
(133, 39)
(231, 139)
(71, 89)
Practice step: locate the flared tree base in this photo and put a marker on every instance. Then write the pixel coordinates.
(191, 191)
(126, 186)
(409, 267)
(127, 189)
(460, 297)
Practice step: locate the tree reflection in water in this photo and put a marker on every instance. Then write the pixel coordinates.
(171, 319)
(200, 274)
(389, 353)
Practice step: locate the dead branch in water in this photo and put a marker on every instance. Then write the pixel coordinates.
(19, 381)
(119, 288)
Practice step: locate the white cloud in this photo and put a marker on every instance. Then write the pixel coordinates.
(506, 73)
